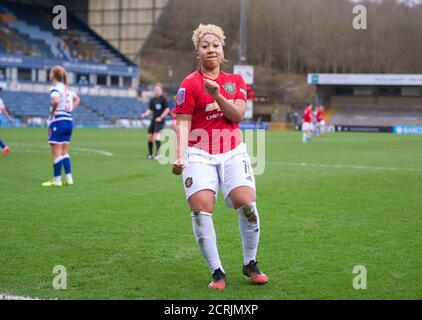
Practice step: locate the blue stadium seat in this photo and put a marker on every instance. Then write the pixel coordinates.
(32, 25)
(93, 110)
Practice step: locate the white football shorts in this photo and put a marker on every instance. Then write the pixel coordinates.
(205, 171)
(307, 126)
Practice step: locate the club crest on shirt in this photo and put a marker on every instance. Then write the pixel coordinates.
(230, 87)
(180, 97)
(188, 182)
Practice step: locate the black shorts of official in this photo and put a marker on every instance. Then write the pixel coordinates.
(155, 127)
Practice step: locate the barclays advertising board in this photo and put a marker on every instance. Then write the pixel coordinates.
(407, 129)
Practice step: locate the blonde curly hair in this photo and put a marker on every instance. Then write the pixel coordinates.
(203, 29)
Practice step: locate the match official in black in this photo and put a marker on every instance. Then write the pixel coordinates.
(159, 109)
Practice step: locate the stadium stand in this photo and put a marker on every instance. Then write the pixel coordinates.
(26, 30)
(375, 115)
(29, 46)
(370, 100)
(115, 107)
(380, 111)
(93, 110)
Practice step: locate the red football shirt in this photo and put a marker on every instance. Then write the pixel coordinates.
(211, 130)
(307, 114)
(320, 114)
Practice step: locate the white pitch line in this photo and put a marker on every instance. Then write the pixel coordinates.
(340, 166)
(28, 145)
(102, 152)
(4, 296)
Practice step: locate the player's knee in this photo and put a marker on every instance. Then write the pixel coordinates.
(202, 201)
(56, 152)
(202, 207)
(242, 196)
(198, 205)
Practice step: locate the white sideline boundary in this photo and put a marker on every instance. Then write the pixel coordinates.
(341, 166)
(4, 296)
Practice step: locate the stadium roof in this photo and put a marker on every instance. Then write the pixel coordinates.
(365, 79)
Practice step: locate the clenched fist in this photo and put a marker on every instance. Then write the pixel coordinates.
(178, 167)
(212, 87)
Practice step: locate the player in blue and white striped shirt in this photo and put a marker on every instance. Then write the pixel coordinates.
(63, 102)
(6, 148)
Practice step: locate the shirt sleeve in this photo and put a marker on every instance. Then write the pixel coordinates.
(240, 89)
(185, 98)
(1, 104)
(54, 94)
(151, 105)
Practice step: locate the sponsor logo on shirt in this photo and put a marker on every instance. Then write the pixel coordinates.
(214, 116)
(212, 106)
(243, 91)
(230, 87)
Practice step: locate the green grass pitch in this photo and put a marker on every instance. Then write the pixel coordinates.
(123, 231)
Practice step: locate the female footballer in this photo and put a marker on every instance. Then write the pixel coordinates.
(63, 102)
(210, 154)
(6, 148)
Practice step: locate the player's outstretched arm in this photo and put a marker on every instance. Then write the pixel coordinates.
(146, 113)
(183, 128)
